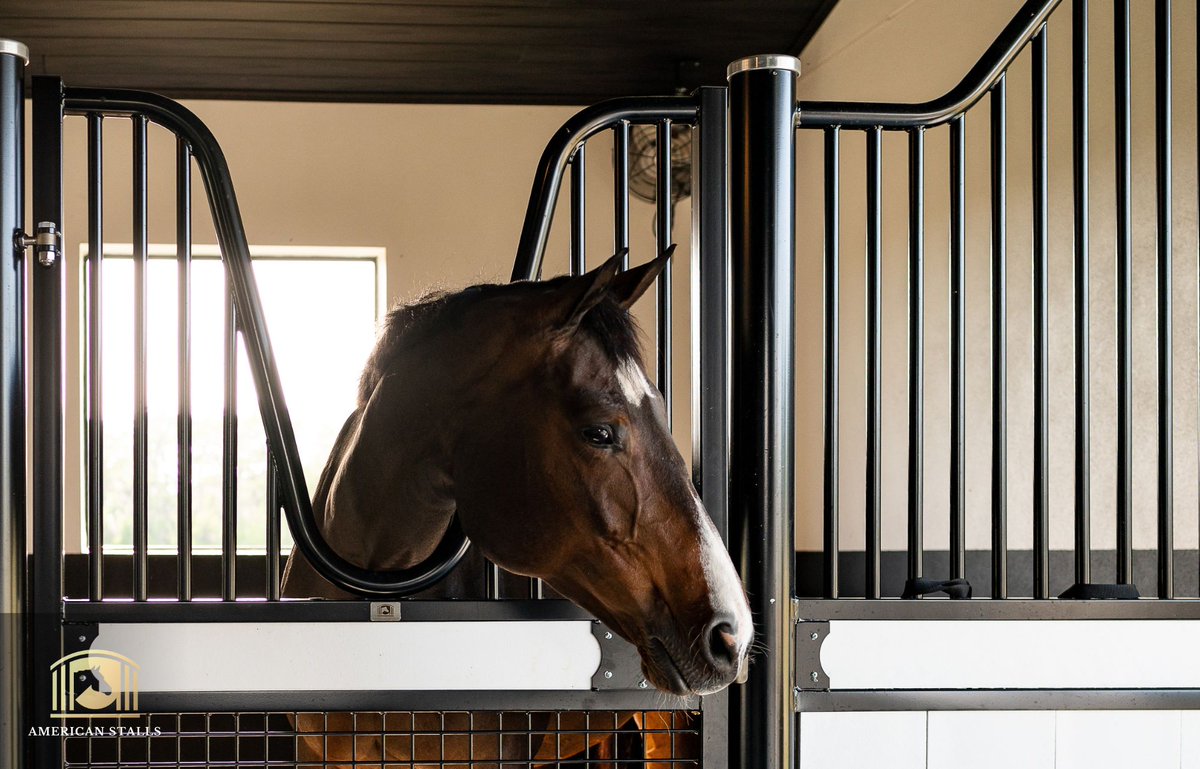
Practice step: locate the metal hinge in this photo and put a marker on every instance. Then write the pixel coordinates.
(810, 676)
(46, 243)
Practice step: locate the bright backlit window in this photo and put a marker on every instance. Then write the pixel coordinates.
(321, 307)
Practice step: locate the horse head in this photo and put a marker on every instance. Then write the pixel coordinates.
(565, 470)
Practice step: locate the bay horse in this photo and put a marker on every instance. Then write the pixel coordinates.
(524, 409)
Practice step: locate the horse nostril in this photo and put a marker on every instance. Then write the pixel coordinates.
(722, 646)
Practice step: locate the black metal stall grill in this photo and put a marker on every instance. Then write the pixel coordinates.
(495, 739)
(743, 338)
(616, 721)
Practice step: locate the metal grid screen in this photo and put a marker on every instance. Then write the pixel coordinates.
(312, 740)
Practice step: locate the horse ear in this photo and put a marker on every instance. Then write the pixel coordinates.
(629, 286)
(582, 293)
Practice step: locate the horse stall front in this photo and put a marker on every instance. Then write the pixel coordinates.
(919, 617)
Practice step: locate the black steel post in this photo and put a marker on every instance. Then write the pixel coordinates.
(874, 255)
(579, 211)
(94, 362)
(999, 479)
(141, 416)
(46, 380)
(183, 429)
(1041, 327)
(1083, 469)
(1124, 258)
(831, 283)
(1162, 143)
(958, 348)
(916, 352)
(762, 151)
(710, 354)
(664, 210)
(13, 58)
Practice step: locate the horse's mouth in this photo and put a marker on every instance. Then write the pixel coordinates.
(660, 669)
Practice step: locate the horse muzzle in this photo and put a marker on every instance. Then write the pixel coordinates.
(702, 667)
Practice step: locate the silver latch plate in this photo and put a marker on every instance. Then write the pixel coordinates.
(385, 611)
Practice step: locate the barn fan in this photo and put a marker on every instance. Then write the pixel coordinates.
(643, 163)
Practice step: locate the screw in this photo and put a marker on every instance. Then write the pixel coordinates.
(813, 636)
(82, 638)
(642, 684)
(608, 636)
(608, 674)
(772, 600)
(814, 676)
(385, 610)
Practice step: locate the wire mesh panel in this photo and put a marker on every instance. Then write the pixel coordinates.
(312, 740)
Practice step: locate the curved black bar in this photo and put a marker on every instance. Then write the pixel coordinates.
(1024, 25)
(581, 126)
(231, 236)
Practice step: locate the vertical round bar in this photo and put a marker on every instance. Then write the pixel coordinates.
(762, 152)
(621, 191)
(579, 211)
(271, 567)
(47, 361)
(1124, 258)
(93, 367)
(663, 210)
(14, 668)
(183, 427)
(999, 469)
(831, 284)
(958, 349)
(1041, 393)
(140, 416)
(916, 352)
(491, 577)
(229, 453)
(1162, 143)
(874, 300)
(1079, 111)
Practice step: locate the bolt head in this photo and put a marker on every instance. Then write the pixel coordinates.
(82, 638)
(814, 636)
(608, 636)
(642, 684)
(814, 676)
(608, 674)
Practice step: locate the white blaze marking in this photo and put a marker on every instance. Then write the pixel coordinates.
(634, 385)
(724, 585)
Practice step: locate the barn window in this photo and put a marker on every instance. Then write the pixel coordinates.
(321, 305)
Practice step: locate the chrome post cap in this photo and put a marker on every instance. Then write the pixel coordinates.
(763, 61)
(13, 48)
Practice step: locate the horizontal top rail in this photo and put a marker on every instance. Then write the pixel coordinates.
(999, 55)
(823, 609)
(231, 237)
(580, 127)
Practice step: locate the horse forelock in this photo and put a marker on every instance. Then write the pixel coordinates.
(609, 324)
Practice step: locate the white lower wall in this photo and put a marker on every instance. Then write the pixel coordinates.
(1079, 739)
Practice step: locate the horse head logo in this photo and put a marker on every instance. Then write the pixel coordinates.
(93, 683)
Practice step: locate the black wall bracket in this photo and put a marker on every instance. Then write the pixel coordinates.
(810, 676)
(620, 665)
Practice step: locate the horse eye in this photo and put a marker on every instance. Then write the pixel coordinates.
(598, 435)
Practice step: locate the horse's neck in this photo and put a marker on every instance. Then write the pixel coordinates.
(387, 494)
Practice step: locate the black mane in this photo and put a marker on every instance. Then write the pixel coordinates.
(608, 323)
